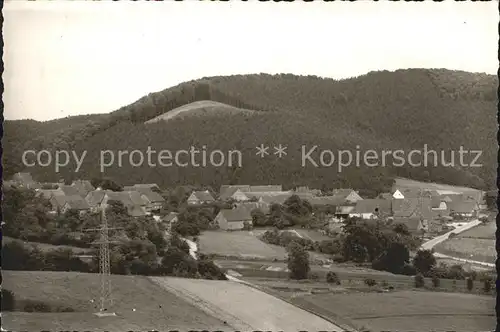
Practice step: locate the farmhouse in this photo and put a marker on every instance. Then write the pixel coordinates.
(416, 213)
(463, 208)
(232, 220)
(151, 186)
(233, 193)
(348, 195)
(25, 180)
(371, 208)
(83, 187)
(131, 200)
(250, 206)
(200, 197)
(170, 219)
(75, 203)
(94, 200)
(154, 201)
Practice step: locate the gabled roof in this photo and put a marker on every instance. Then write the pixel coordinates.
(128, 198)
(152, 196)
(250, 206)
(412, 208)
(385, 196)
(69, 190)
(226, 191)
(342, 192)
(376, 206)
(203, 196)
(336, 200)
(25, 178)
(463, 206)
(48, 193)
(275, 198)
(58, 201)
(171, 216)
(95, 197)
(236, 215)
(83, 186)
(77, 203)
(267, 188)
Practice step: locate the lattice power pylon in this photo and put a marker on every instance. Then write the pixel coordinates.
(106, 298)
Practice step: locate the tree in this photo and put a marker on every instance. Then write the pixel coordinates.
(419, 280)
(332, 278)
(298, 261)
(393, 259)
(8, 300)
(424, 261)
(469, 283)
(258, 218)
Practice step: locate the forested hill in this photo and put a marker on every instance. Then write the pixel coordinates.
(381, 110)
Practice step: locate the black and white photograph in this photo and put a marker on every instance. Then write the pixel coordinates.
(249, 166)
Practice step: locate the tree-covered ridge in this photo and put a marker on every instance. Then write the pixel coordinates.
(381, 110)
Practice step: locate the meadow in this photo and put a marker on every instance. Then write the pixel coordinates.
(155, 307)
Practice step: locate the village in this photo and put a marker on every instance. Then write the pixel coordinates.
(421, 210)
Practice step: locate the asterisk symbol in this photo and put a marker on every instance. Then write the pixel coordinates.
(262, 150)
(280, 151)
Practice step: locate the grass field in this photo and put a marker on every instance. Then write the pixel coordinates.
(407, 183)
(398, 310)
(483, 231)
(76, 290)
(482, 250)
(312, 235)
(48, 247)
(245, 245)
(238, 244)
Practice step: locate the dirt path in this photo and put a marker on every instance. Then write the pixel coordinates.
(244, 308)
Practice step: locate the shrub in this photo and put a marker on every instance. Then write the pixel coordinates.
(487, 285)
(370, 282)
(339, 258)
(36, 306)
(332, 278)
(208, 270)
(470, 283)
(298, 261)
(419, 281)
(435, 281)
(314, 276)
(8, 300)
(385, 284)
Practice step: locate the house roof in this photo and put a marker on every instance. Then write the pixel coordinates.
(203, 196)
(69, 190)
(462, 206)
(385, 196)
(342, 192)
(373, 206)
(95, 197)
(77, 203)
(235, 215)
(141, 185)
(412, 208)
(25, 178)
(171, 216)
(274, 198)
(48, 193)
(152, 196)
(250, 206)
(128, 198)
(266, 188)
(336, 200)
(83, 186)
(58, 201)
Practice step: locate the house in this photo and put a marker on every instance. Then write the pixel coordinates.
(154, 201)
(417, 226)
(57, 202)
(439, 207)
(250, 206)
(75, 203)
(48, 193)
(70, 190)
(25, 180)
(94, 200)
(200, 197)
(349, 195)
(83, 187)
(397, 194)
(151, 186)
(232, 220)
(305, 189)
(233, 193)
(271, 198)
(170, 219)
(131, 200)
(416, 213)
(371, 208)
(464, 208)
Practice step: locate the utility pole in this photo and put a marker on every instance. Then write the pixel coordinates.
(106, 299)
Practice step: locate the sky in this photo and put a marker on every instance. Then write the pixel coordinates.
(67, 58)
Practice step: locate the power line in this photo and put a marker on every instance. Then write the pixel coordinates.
(106, 298)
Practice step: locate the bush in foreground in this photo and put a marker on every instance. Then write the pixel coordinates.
(332, 278)
(370, 282)
(469, 284)
(298, 261)
(419, 281)
(8, 300)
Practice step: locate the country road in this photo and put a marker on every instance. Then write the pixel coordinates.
(437, 240)
(243, 307)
